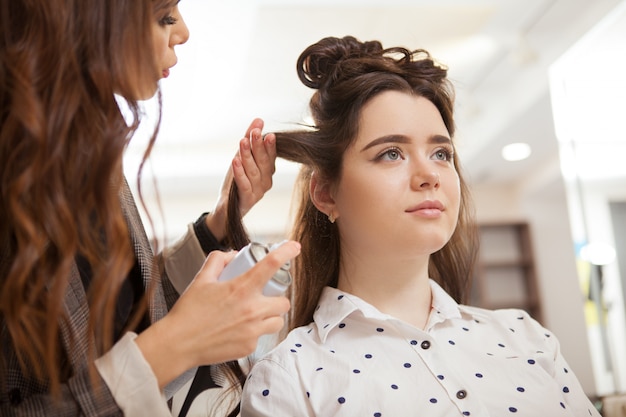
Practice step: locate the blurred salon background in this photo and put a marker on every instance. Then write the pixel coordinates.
(541, 103)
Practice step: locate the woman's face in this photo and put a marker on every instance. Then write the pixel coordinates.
(168, 31)
(399, 189)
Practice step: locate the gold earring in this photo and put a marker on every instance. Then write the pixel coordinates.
(331, 217)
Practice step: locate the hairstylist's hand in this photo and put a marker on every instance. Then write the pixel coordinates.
(252, 169)
(213, 321)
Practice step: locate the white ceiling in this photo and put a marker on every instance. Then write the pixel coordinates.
(240, 63)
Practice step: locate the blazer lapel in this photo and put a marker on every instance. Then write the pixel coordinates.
(144, 254)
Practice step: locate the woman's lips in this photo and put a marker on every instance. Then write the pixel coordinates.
(428, 209)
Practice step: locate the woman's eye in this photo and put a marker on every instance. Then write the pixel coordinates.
(443, 155)
(391, 155)
(168, 20)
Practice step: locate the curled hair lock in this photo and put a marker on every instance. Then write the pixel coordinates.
(319, 62)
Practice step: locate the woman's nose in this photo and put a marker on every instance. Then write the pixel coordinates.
(424, 179)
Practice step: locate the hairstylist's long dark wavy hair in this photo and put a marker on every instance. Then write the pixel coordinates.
(347, 74)
(62, 136)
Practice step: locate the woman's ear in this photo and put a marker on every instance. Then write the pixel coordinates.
(320, 191)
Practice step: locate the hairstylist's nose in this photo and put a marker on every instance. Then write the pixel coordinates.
(180, 34)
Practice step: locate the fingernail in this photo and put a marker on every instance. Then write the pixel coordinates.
(255, 134)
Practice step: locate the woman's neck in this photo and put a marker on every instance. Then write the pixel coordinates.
(400, 289)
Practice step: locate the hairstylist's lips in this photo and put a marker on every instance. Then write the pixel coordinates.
(166, 73)
(429, 209)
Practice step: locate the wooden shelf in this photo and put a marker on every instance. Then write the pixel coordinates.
(505, 274)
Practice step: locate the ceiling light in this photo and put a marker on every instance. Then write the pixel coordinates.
(516, 151)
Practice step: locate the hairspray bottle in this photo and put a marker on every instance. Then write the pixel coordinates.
(247, 257)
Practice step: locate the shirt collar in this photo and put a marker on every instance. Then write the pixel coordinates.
(335, 305)
(443, 303)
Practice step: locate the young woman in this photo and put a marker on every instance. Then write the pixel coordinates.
(388, 242)
(83, 301)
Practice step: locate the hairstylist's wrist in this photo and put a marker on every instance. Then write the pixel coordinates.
(216, 221)
(163, 352)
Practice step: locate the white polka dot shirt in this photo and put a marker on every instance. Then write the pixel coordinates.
(354, 360)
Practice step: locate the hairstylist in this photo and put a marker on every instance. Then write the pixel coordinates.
(84, 321)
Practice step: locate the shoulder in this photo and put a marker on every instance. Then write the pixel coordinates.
(290, 350)
(511, 320)
(502, 316)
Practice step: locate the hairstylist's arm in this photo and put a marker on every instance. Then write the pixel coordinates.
(252, 169)
(213, 321)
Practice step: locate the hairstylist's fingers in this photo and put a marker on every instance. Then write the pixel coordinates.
(244, 167)
(272, 324)
(280, 306)
(239, 172)
(257, 123)
(250, 166)
(269, 141)
(264, 153)
(248, 193)
(239, 175)
(261, 273)
(214, 264)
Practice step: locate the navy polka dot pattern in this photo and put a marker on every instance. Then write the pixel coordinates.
(355, 360)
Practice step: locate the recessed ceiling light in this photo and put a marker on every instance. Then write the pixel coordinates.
(516, 151)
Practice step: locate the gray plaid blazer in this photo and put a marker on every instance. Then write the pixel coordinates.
(21, 395)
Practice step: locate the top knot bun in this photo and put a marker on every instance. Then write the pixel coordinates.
(319, 62)
(333, 60)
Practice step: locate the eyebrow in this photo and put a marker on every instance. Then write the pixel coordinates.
(434, 139)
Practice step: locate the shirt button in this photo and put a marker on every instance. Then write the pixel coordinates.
(461, 394)
(425, 344)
